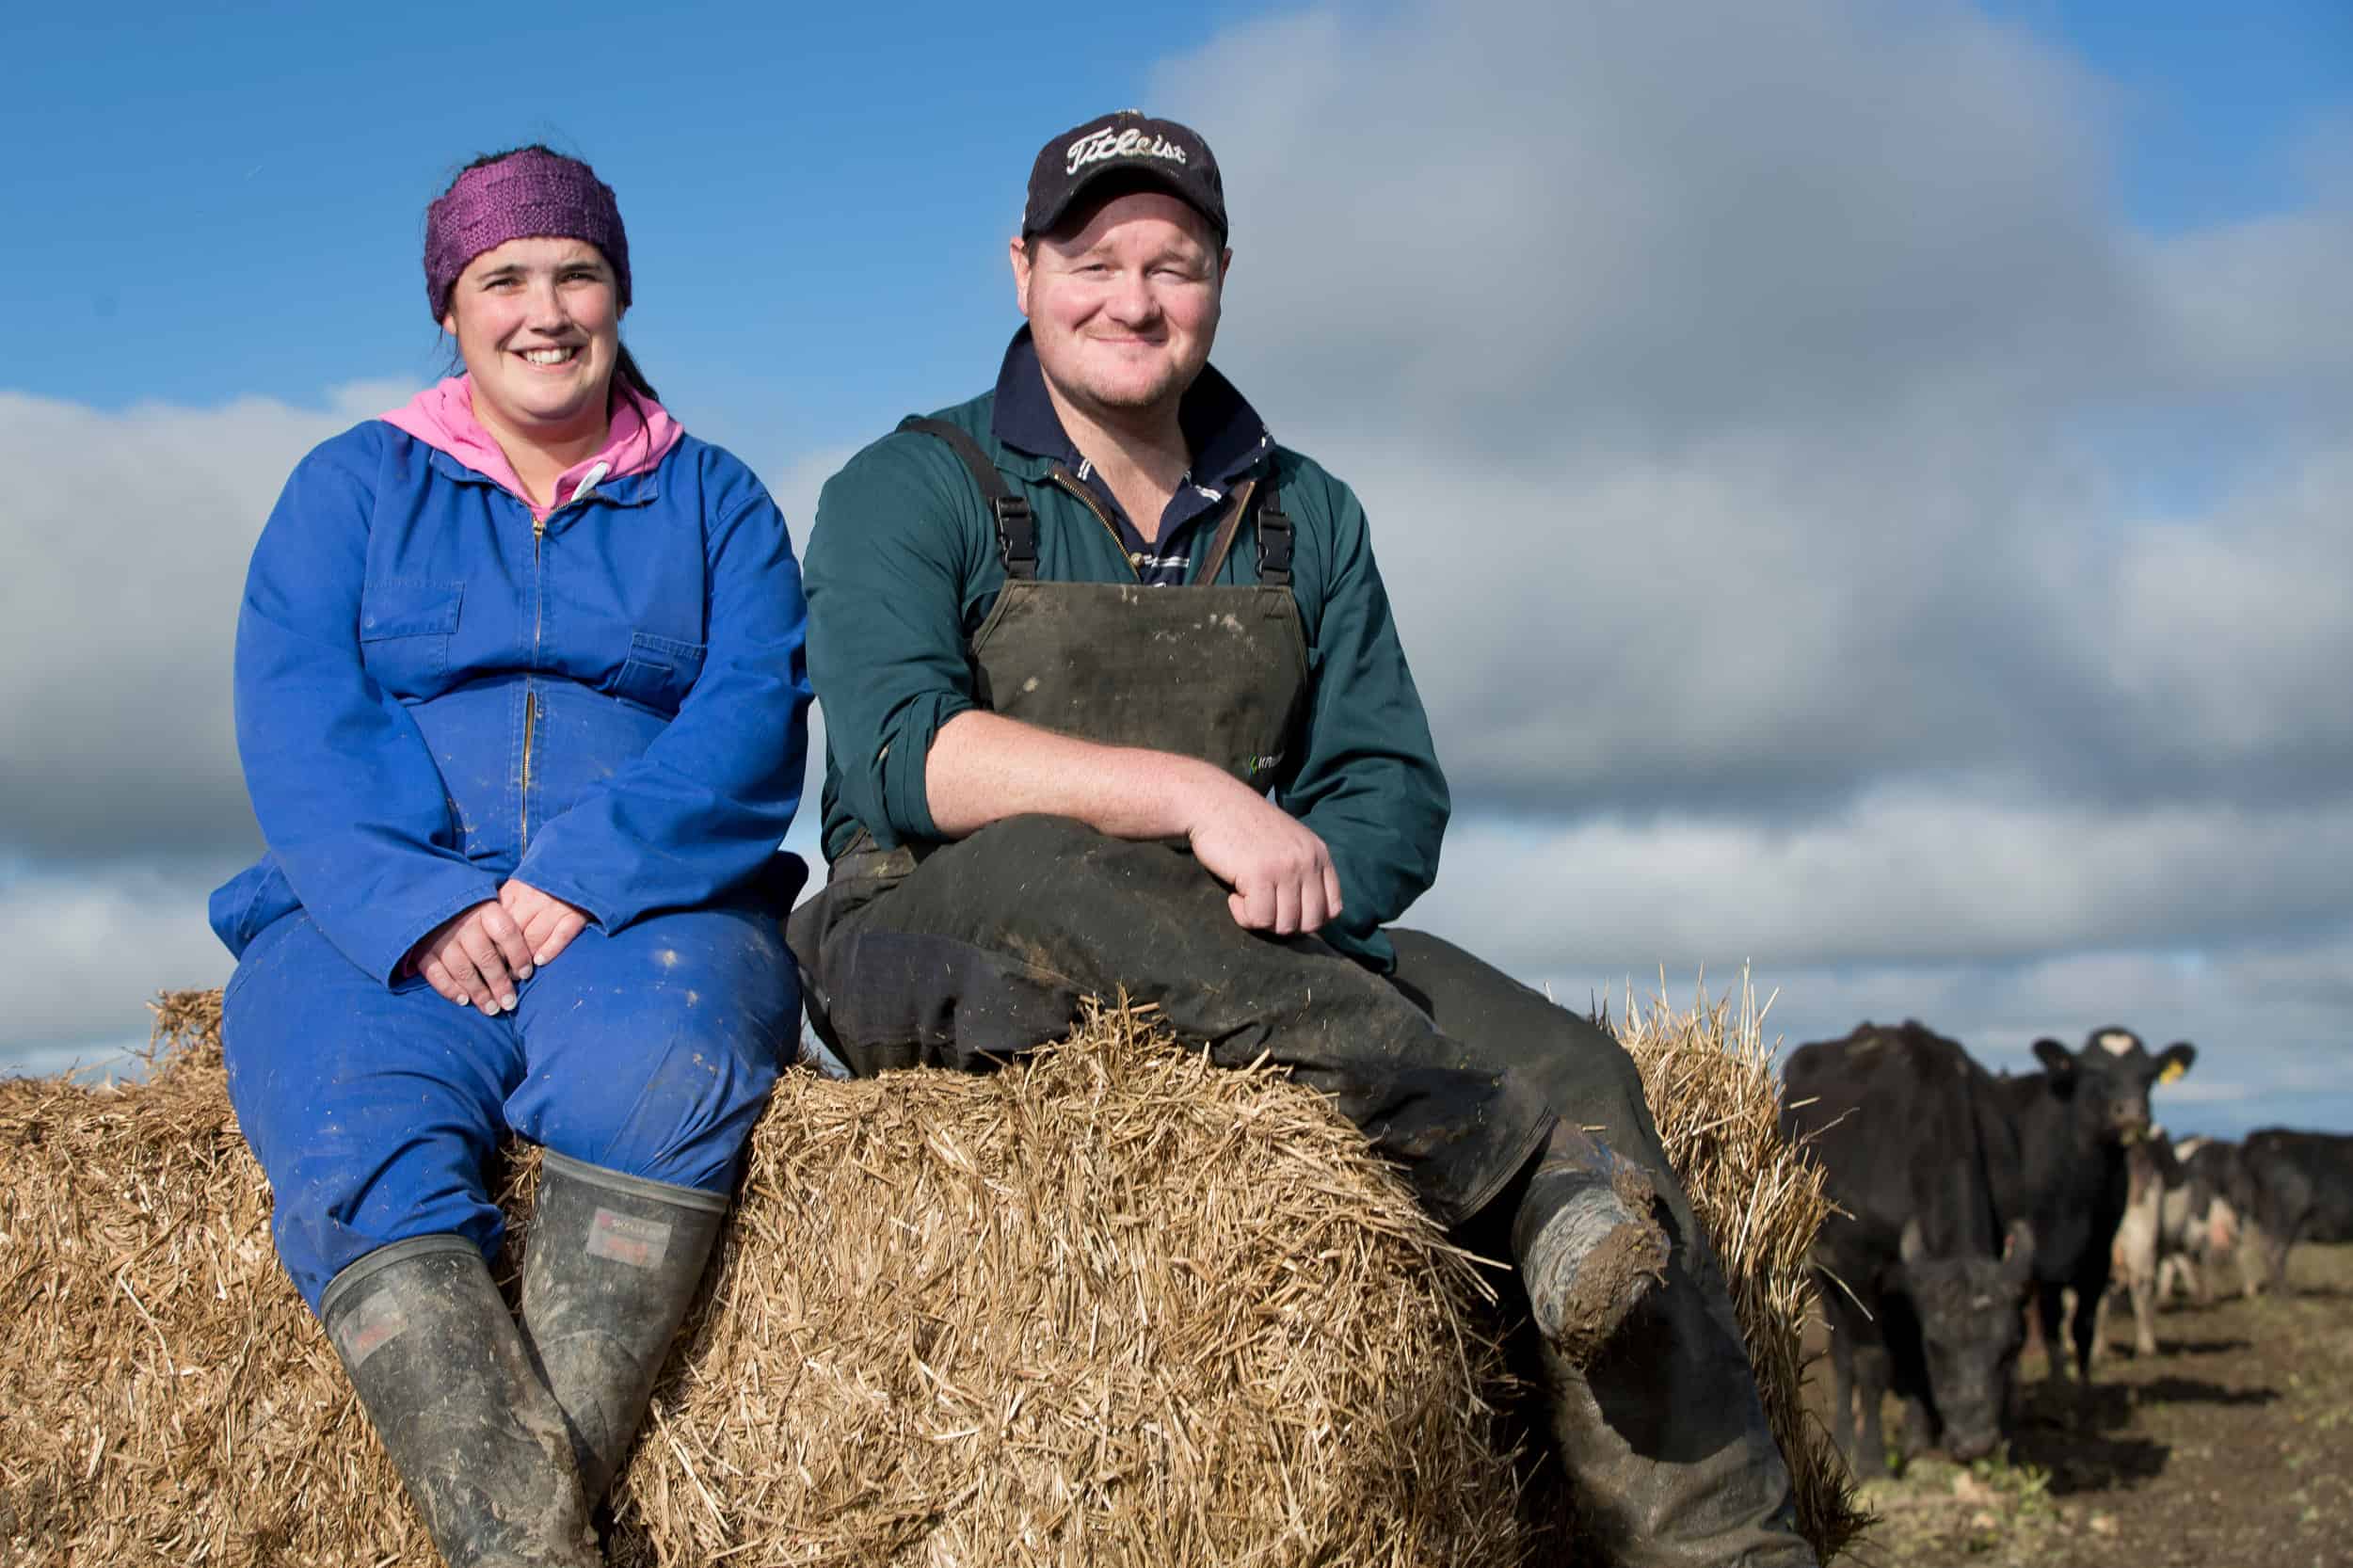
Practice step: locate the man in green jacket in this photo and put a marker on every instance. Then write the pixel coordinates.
(1113, 697)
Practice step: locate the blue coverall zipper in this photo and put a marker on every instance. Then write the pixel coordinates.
(530, 696)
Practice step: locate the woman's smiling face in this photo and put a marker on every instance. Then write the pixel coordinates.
(539, 326)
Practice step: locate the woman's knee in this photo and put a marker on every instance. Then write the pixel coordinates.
(338, 1203)
(370, 1110)
(679, 1113)
(652, 1051)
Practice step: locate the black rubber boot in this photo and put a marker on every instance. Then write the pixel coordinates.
(612, 1264)
(445, 1378)
(1664, 1439)
(1588, 1244)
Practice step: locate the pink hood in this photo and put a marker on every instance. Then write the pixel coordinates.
(442, 417)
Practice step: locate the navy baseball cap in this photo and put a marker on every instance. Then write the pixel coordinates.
(1133, 148)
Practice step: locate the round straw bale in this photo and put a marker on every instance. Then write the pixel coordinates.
(1709, 1078)
(1112, 1306)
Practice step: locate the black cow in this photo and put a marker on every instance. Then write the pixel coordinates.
(2072, 1121)
(2296, 1186)
(1920, 1292)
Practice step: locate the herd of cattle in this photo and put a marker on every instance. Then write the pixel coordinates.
(1972, 1206)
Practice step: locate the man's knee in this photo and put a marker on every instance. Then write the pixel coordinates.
(1036, 834)
(1578, 1067)
(1048, 879)
(1604, 1085)
(1019, 847)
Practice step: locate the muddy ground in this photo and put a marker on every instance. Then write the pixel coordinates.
(2232, 1444)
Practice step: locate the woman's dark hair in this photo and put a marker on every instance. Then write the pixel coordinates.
(625, 371)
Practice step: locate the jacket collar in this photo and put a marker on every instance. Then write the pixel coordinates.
(641, 435)
(633, 490)
(1226, 434)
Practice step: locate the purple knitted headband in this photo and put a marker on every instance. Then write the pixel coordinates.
(523, 195)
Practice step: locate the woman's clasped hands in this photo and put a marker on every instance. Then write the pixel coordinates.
(480, 954)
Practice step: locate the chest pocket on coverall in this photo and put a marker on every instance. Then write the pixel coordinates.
(404, 627)
(660, 671)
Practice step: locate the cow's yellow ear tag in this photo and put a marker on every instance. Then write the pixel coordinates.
(2172, 1071)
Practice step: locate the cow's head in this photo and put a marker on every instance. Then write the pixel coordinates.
(2107, 1082)
(1970, 1331)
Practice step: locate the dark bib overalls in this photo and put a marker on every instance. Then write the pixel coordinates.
(965, 953)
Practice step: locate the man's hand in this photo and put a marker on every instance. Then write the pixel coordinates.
(549, 924)
(984, 767)
(475, 957)
(1280, 871)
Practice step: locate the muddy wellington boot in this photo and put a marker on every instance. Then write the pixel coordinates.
(1587, 1242)
(1660, 1425)
(444, 1378)
(612, 1264)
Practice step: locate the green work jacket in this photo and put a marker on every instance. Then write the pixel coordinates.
(902, 567)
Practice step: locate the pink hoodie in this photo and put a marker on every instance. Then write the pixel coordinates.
(442, 417)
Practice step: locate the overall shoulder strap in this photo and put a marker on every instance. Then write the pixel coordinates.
(1017, 525)
(1222, 543)
(1275, 537)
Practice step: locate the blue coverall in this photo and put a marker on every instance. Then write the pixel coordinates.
(433, 693)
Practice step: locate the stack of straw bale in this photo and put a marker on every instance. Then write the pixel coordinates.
(1113, 1306)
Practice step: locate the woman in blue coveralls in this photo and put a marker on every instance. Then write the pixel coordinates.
(521, 706)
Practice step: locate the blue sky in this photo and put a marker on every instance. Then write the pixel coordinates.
(804, 187)
(1863, 481)
(807, 186)
(2218, 106)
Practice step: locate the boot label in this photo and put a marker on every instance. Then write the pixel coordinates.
(627, 1238)
(373, 1324)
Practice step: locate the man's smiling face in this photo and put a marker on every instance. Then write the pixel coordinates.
(1124, 307)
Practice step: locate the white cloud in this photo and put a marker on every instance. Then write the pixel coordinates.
(1960, 875)
(1735, 630)
(126, 536)
(2267, 1015)
(1753, 402)
(87, 949)
(2239, 306)
(1637, 222)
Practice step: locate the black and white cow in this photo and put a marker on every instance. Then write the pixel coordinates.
(2073, 1121)
(1919, 1282)
(2172, 1219)
(2296, 1186)
(2225, 1235)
